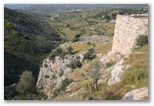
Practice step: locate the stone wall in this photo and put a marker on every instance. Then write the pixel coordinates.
(127, 29)
(93, 39)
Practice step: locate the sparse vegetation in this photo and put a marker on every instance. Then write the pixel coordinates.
(69, 50)
(89, 54)
(57, 52)
(75, 64)
(94, 71)
(65, 83)
(37, 33)
(109, 64)
(76, 38)
(142, 40)
(61, 73)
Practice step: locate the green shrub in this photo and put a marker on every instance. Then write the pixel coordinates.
(109, 64)
(61, 73)
(107, 17)
(65, 83)
(94, 73)
(75, 64)
(30, 96)
(89, 54)
(62, 55)
(57, 52)
(76, 38)
(142, 40)
(69, 50)
(52, 55)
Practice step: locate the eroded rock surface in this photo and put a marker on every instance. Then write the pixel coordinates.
(137, 94)
(52, 73)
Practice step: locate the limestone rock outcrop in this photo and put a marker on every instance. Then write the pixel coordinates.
(137, 94)
(52, 73)
(116, 73)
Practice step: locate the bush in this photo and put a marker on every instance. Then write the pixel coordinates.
(142, 40)
(69, 50)
(57, 52)
(107, 17)
(89, 54)
(109, 64)
(61, 73)
(52, 55)
(30, 96)
(65, 83)
(94, 71)
(27, 83)
(76, 38)
(75, 64)
(62, 55)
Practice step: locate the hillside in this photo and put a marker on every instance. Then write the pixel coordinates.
(27, 39)
(97, 70)
(76, 52)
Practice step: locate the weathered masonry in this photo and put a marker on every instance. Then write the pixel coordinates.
(127, 29)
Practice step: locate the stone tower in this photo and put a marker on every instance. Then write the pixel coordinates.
(127, 29)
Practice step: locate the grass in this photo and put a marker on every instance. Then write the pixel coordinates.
(69, 34)
(109, 64)
(136, 76)
(108, 28)
(99, 47)
(84, 27)
(78, 73)
(139, 68)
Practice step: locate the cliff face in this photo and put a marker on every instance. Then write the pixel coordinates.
(52, 73)
(127, 29)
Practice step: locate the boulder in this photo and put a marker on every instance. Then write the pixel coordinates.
(137, 94)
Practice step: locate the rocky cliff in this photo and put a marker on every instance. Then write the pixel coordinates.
(53, 72)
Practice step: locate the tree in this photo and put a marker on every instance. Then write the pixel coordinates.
(69, 50)
(26, 83)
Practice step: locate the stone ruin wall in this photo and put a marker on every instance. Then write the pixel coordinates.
(127, 29)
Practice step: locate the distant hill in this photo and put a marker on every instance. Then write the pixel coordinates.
(54, 8)
(28, 39)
